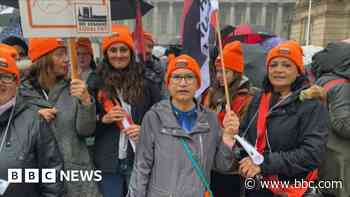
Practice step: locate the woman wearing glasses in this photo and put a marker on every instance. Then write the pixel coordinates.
(123, 95)
(290, 132)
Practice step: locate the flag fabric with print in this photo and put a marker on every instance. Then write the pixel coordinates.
(198, 34)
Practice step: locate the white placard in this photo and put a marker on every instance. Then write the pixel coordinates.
(3, 186)
(65, 18)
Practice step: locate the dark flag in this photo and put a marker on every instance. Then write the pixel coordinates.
(198, 34)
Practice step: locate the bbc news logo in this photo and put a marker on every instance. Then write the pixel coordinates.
(50, 175)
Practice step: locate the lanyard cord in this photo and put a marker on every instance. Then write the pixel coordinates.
(7, 128)
(245, 132)
(45, 94)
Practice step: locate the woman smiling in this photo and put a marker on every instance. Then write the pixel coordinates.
(290, 133)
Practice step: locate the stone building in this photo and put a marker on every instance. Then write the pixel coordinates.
(164, 20)
(330, 21)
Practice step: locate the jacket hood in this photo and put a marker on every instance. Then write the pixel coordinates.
(20, 106)
(31, 94)
(335, 58)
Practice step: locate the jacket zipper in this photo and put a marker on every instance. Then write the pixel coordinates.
(201, 150)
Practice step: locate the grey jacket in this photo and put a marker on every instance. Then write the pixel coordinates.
(29, 144)
(73, 122)
(162, 168)
(337, 164)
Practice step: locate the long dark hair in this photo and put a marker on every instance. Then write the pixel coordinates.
(300, 82)
(92, 63)
(128, 80)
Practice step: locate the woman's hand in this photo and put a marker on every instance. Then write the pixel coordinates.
(117, 113)
(231, 127)
(78, 89)
(133, 132)
(248, 169)
(48, 113)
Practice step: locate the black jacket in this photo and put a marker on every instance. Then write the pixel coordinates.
(29, 144)
(153, 71)
(297, 134)
(107, 135)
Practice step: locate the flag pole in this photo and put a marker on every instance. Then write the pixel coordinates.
(308, 24)
(227, 94)
(74, 59)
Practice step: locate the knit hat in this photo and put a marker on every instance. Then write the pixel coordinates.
(186, 62)
(14, 40)
(39, 47)
(233, 57)
(8, 64)
(84, 42)
(7, 49)
(146, 36)
(120, 34)
(289, 49)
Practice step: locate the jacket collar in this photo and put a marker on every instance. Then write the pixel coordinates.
(170, 124)
(33, 96)
(289, 102)
(20, 106)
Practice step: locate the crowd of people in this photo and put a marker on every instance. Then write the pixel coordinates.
(142, 126)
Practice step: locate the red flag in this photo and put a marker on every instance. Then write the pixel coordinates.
(138, 33)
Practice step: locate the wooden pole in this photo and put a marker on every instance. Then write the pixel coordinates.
(227, 94)
(74, 58)
(308, 24)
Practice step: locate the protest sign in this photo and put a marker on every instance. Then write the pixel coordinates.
(65, 18)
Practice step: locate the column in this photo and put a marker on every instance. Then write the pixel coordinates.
(171, 19)
(263, 14)
(232, 14)
(155, 21)
(247, 13)
(279, 21)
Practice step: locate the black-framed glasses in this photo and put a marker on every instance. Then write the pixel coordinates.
(7, 78)
(188, 78)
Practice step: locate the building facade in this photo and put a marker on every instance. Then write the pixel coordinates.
(164, 19)
(330, 21)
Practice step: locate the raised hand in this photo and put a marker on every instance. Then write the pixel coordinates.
(78, 89)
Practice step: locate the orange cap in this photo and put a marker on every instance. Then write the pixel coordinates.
(8, 64)
(120, 34)
(7, 49)
(289, 49)
(233, 57)
(39, 47)
(84, 42)
(185, 62)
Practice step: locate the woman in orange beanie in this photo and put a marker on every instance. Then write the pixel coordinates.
(124, 95)
(87, 72)
(239, 85)
(65, 104)
(228, 184)
(86, 62)
(290, 132)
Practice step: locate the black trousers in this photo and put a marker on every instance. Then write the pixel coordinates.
(224, 185)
